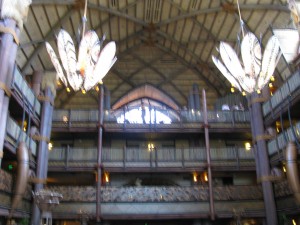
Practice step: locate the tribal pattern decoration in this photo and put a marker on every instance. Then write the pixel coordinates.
(92, 64)
(257, 68)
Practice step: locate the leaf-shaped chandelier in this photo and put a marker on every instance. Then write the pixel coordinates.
(258, 68)
(93, 63)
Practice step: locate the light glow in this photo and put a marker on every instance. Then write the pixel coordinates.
(247, 146)
(50, 146)
(195, 177)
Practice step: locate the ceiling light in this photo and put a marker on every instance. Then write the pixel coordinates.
(257, 69)
(92, 64)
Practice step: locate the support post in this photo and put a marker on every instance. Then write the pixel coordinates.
(7, 58)
(36, 82)
(211, 197)
(262, 158)
(42, 159)
(99, 156)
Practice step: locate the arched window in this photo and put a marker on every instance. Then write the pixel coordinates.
(146, 111)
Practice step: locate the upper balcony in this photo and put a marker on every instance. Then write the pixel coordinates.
(25, 98)
(283, 99)
(184, 120)
(162, 159)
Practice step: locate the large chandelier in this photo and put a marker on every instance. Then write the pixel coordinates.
(93, 63)
(257, 67)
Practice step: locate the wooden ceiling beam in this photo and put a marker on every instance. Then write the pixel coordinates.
(48, 36)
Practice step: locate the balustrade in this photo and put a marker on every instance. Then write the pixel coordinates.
(282, 94)
(281, 140)
(25, 92)
(14, 134)
(184, 118)
(157, 157)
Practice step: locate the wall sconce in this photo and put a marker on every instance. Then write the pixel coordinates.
(204, 177)
(247, 146)
(284, 168)
(65, 119)
(151, 147)
(24, 126)
(195, 177)
(278, 126)
(50, 146)
(106, 177)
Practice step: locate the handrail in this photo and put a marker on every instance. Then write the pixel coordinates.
(161, 155)
(282, 139)
(13, 132)
(291, 85)
(71, 117)
(22, 89)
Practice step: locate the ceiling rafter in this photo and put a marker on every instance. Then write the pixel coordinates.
(200, 25)
(192, 67)
(47, 37)
(200, 63)
(161, 75)
(218, 9)
(128, 78)
(179, 72)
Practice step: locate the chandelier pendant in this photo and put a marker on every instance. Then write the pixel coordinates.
(93, 63)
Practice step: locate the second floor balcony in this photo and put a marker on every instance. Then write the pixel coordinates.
(120, 159)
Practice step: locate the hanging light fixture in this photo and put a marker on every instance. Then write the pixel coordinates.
(92, 64)
(257, 68)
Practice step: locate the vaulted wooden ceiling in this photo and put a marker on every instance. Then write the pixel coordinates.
(164, 43)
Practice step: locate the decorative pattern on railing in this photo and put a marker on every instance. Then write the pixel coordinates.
(25, 92)
(5, 181)
(282, 189)
(282, 94)
(159, 157)
(6, 191)
(159, 194)
(15, 134)
(280, 141)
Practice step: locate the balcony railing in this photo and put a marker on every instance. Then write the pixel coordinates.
(180, 119)
(14, 134)
(25, 93)
(159, 157)
(281, 140)
(286, 91)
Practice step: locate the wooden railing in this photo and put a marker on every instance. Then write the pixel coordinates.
(14, 134)
(280, 142)
(286, 91)
(22, 89)
(159, 157)
(183, 118)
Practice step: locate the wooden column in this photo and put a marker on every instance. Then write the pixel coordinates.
(262, 158)
(211, 196)
(42, 155)
(8, 54)
(99, 157)
(36, 82)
